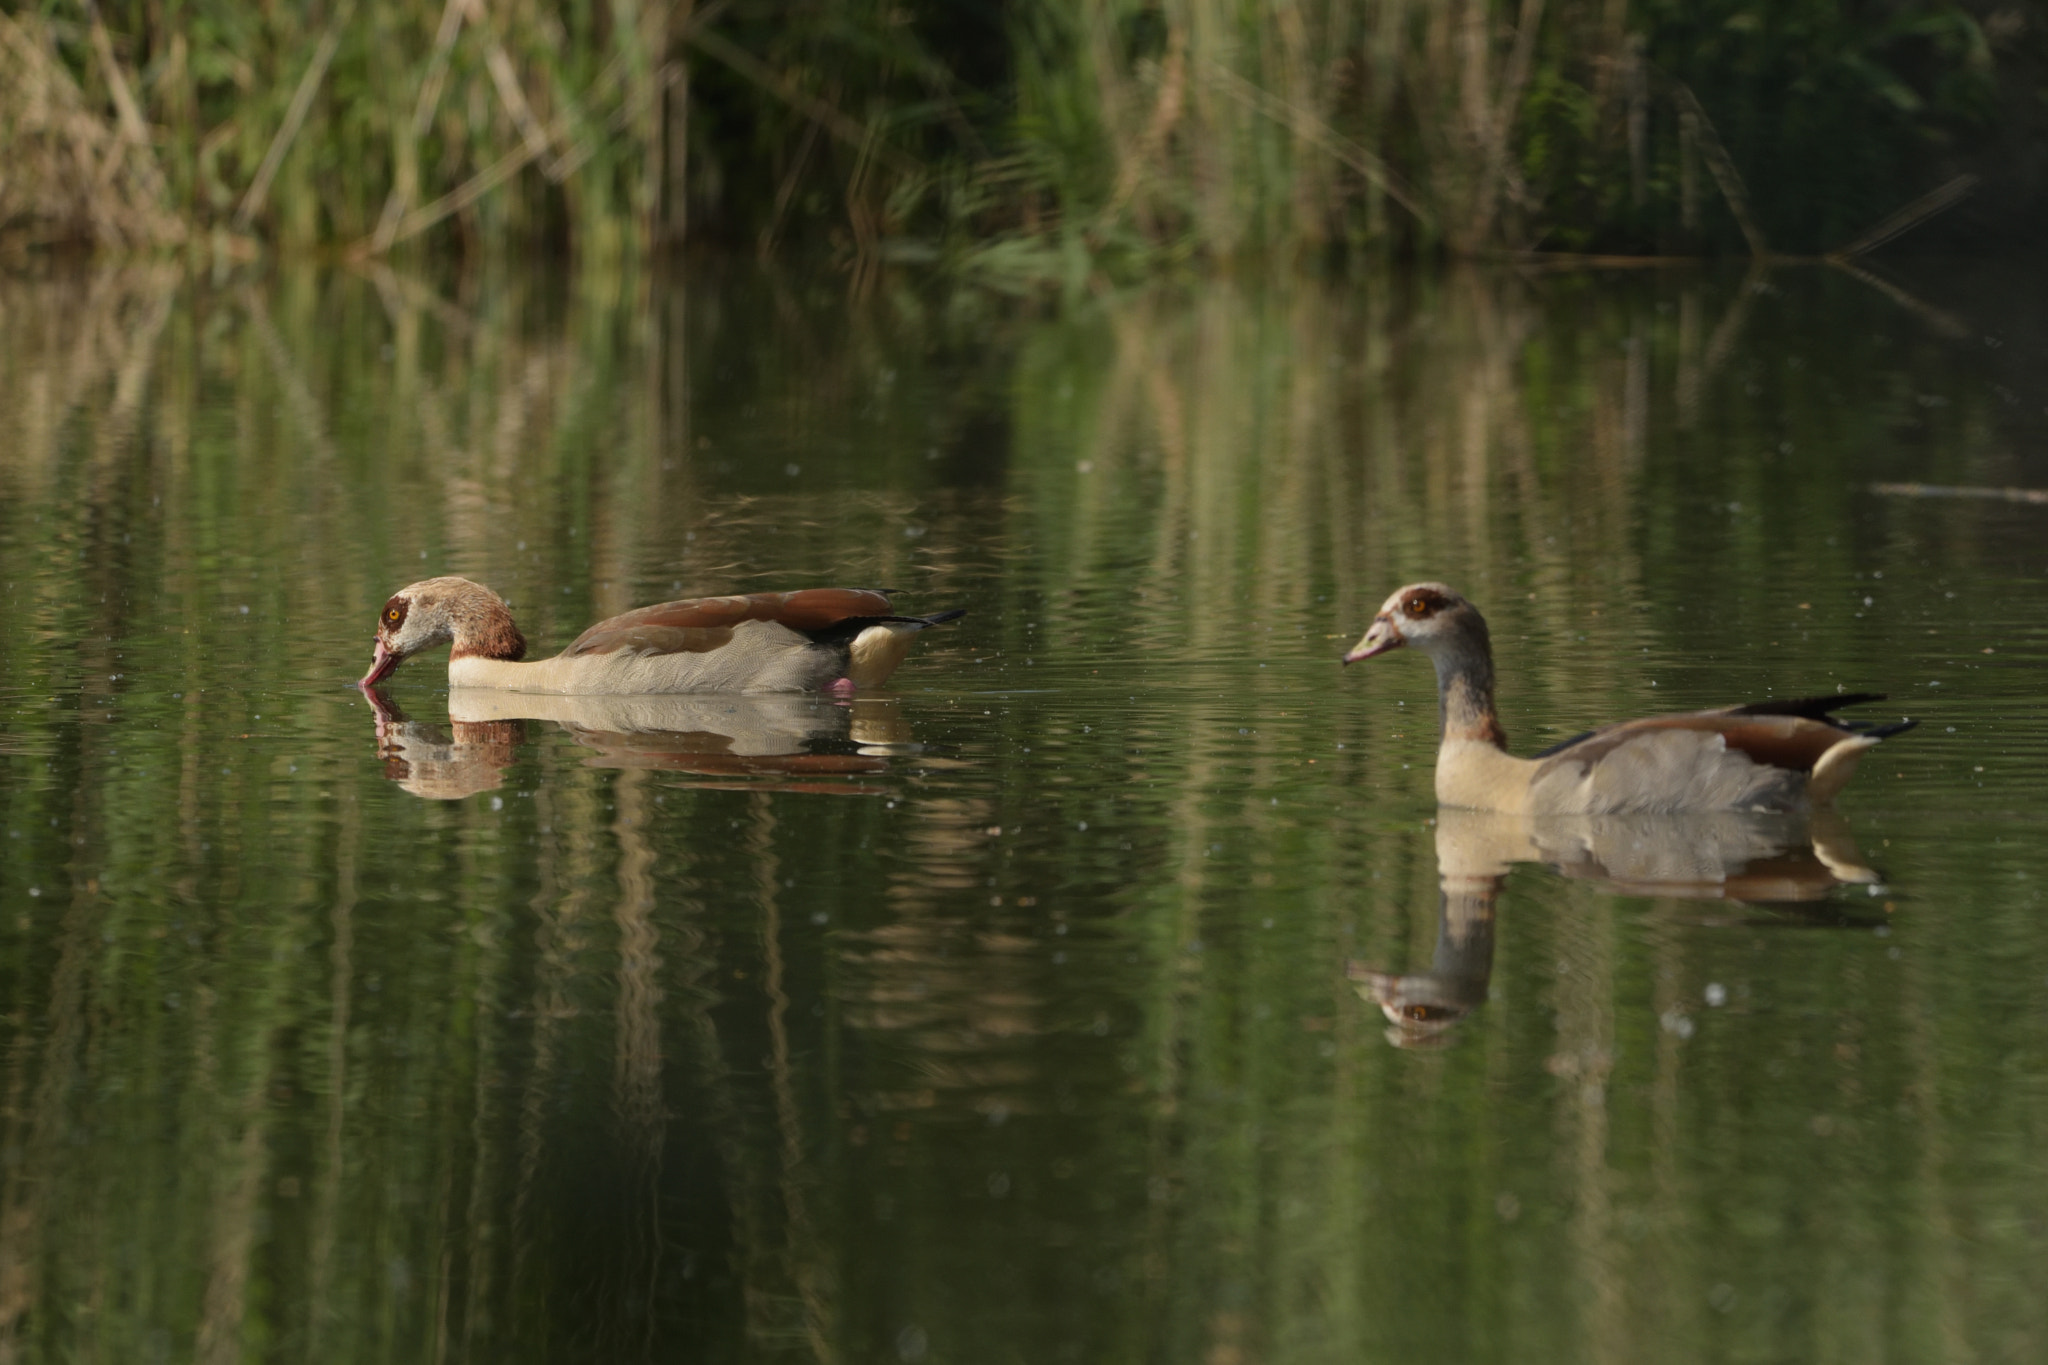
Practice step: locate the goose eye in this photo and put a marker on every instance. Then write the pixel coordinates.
(1418, 607)
(392, 615)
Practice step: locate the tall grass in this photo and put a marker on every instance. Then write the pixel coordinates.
(1483, 125)
(1041, 140)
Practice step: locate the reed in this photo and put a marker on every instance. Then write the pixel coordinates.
(75, 171)
(1046, 143)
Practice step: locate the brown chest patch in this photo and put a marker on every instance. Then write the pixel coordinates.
(495, 638)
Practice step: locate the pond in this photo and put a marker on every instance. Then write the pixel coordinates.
(1109, 986)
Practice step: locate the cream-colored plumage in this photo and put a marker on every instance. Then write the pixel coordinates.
(821, 638)
(1770, 756)
(794, 739)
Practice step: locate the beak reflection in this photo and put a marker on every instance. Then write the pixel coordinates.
(1794, 864)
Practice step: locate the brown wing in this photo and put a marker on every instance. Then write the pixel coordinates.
(1791, 742)
(699, 624)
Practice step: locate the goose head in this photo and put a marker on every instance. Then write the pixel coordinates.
(437, 611)
(1430, 617)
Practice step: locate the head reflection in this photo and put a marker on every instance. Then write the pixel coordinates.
(443, 763)
(810, 742)
(1781, 860)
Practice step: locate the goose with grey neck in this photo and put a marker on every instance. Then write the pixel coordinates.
(830, 639)
(1766, 756)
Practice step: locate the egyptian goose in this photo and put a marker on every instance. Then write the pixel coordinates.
(1774, 755)
(835, 639)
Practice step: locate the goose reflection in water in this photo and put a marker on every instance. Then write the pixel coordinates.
(805, 740)
(1783, 860)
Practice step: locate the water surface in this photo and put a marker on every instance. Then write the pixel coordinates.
(1031, 1011)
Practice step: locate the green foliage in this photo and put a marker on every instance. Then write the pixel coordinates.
(1829, 108)
(1125, 133)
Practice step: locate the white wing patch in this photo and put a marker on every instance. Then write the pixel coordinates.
(1665, 770)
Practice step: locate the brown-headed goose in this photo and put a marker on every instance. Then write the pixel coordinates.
(835, 639)
(1774, 755)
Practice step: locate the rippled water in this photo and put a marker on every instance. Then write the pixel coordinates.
(1109, 988)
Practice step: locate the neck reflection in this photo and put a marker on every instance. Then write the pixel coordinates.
(1792, 863)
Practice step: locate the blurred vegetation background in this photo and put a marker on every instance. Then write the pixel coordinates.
(1018, 143)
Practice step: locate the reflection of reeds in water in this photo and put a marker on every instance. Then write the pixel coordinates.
(1294, 449)
(806, 1259)
(1472, 428)
(85, 356)
(76, 343)
(1210, 460)
(637, 1099)
(496, 433)
(28, 1200)
(953, 990)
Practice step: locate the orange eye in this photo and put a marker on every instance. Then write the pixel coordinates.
(392, 615)
(1418, 607)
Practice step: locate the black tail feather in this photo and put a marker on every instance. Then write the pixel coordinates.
(1812, 708)
(840, 632)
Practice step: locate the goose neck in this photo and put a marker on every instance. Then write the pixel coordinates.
(1464, 685)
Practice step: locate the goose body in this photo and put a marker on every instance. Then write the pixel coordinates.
(835, 639)
(1768, 756)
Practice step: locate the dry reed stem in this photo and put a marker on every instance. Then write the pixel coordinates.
(676, 224)
(864, 220)
(69, 171)
(1557, 262)
(1720, 165)
(493, 175)
(395, 224)
(2037, 496)
(1316, 133)
(848, 130)
(510, 93)
(786, 191)
(1166, 111)
(294, 117)
(1936, 201)
(404, 183)
(510, 164)
(456, 200)
(134, 130)
(1500, 121)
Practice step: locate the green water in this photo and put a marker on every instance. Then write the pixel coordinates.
(1014, 1015)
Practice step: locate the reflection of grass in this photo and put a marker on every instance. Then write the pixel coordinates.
(303, 1064)
(1247, 473)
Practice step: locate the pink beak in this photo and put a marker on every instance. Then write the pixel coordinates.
(381, 666)
(1380, 637)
